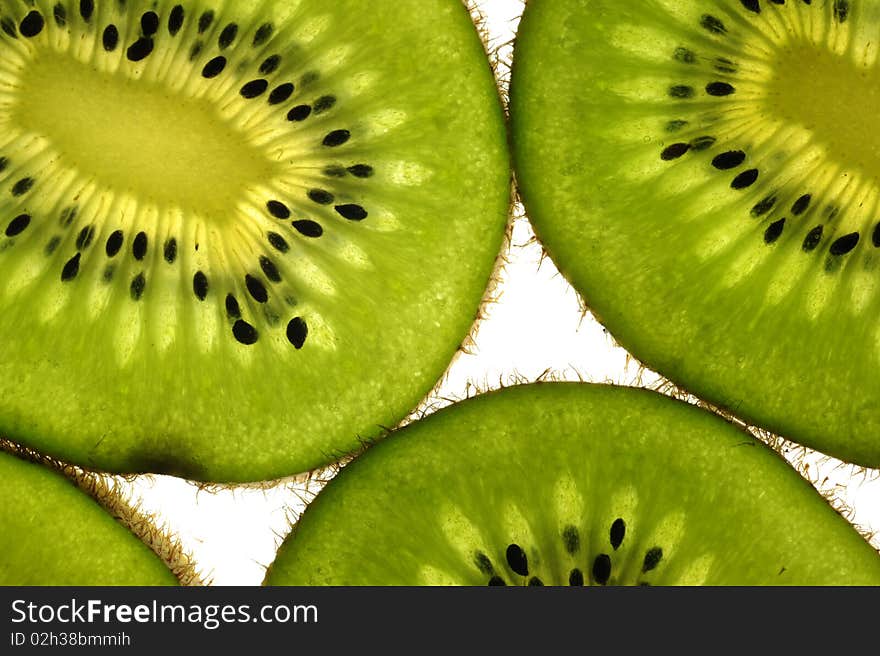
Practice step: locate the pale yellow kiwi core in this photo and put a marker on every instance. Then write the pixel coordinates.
(138, 137)
(832, 96)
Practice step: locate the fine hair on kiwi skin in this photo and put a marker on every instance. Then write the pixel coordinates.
(728, 210)
(190, 307)
(624, 486)
(36, 479)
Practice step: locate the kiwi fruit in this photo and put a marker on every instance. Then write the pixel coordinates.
(238, 238)
(56, 534)
(705, 174)
(572, 484)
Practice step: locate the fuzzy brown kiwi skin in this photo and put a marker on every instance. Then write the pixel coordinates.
(123, 509)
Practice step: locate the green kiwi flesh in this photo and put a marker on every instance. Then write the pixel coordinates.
(55, 534)
(238, 238)
(705, 174)
(560, 484)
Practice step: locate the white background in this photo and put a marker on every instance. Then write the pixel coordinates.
(535, 328)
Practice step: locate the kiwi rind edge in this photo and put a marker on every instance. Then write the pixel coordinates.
(124, 509)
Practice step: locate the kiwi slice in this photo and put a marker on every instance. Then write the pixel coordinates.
(705, 173)
(55, 534)
(572, 484)
(237, 238)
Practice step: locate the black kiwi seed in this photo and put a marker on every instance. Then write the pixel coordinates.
(845, 244)
(8, 26)
(720, 89)
(745, 179)
(308, 228)
(278, 242)
(297, 332)
(84, 239)
(86, 9)
(3, 164)
(150, 23)
(351, 212)
(841, 10)
(281, 93)
(278, 209)
(196, 50)
(60, 15)
(320, 196)
(752, 5)
(299, 113)
(227, 36)
(361, 170)
(175, 20)
(140, 49)
(681, 91)
(32, 24)
(200, 286)
(875, 236)
(813, 238)
(52, 245)
(774, 231)
(22, 186)
(763, 206)
(517, 560)
(232, 307)
(254, 88)
(214, 67)
(170, 250)
(138, 285)
(270, 65)
(68, 214)
(337, 138)
(712, 24)
(602, 569)
(576, 577)
(702, 143)
(71, 268)
(685, 56)
(535, 582)
(139, 246)
(723, 65)
(483, 563)
(652, 559)
(674, 151)
(572, 539)
(18, 225)
(617, 533)
(114, 243)
(269, 268)
(245, 333)
(496, 581)
(324, 103)
(256, 289)
(801, 205)
(310, 77)
(262, 34)
(110, 39)
(729, 160)
(205, 21)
